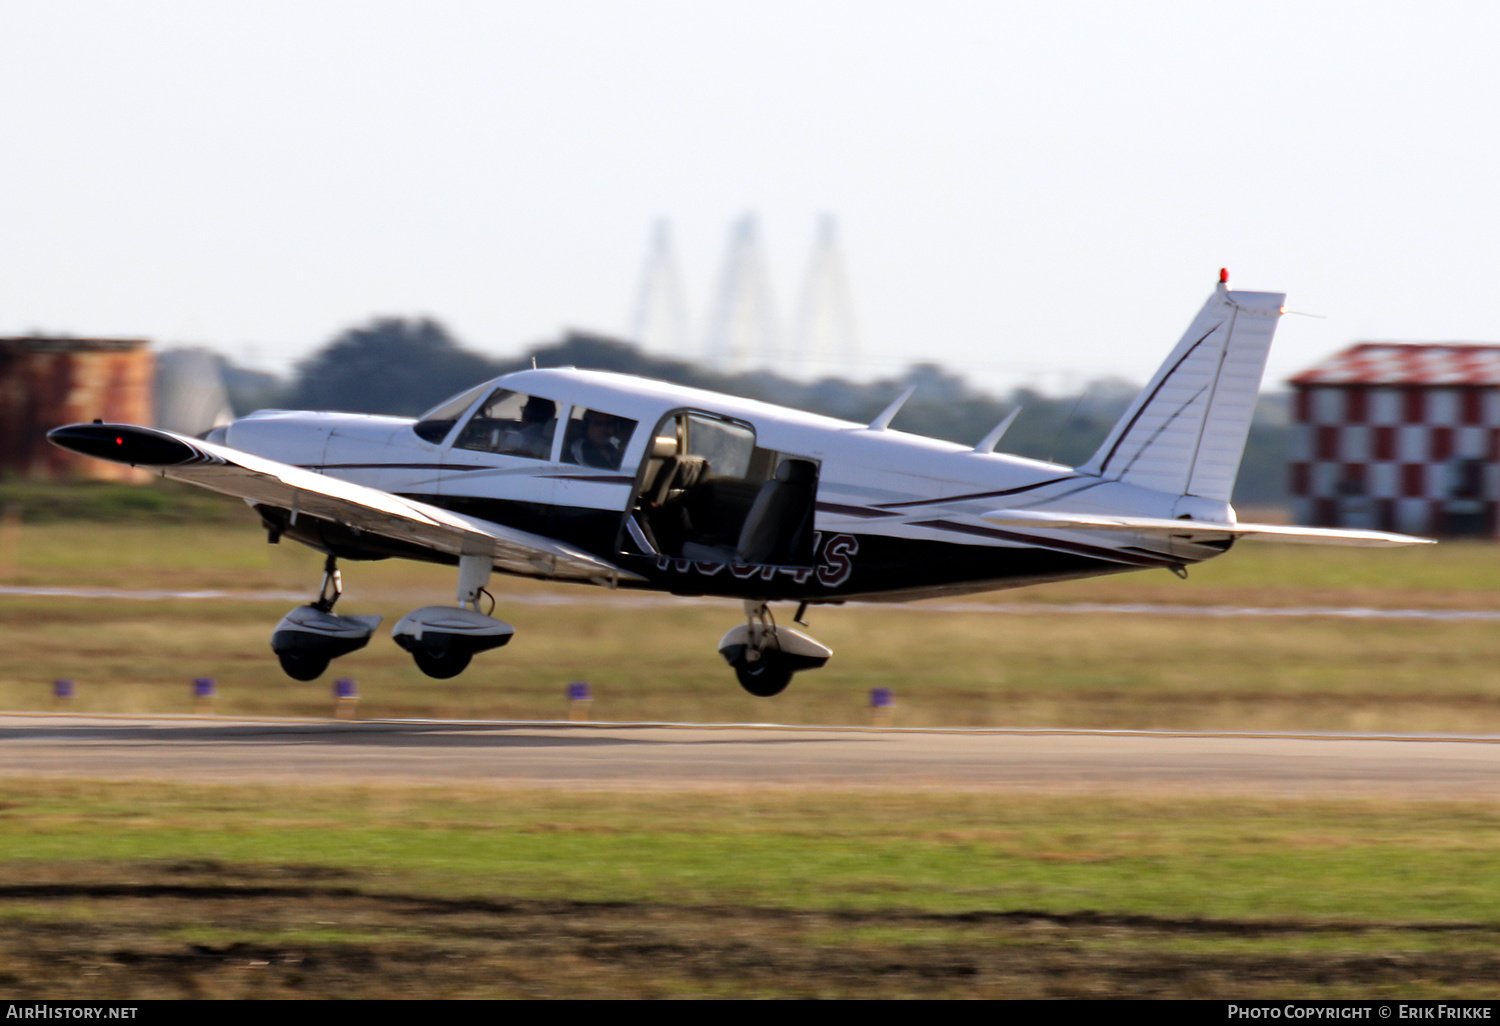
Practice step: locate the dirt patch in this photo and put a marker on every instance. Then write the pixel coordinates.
(201, 929)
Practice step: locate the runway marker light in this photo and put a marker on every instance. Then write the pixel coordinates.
(579, 700)
(62, 691)
(882, 701)
(345, 697)
(203, 694)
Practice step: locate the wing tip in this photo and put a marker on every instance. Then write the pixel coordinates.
(123, 443)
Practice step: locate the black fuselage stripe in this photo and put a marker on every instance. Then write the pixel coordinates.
(852, 511)
(1097, 552)
(387, 466)
(975, 495)
(591, 478)
(614, 479)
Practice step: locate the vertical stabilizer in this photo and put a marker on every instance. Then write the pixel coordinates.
(1185, 433)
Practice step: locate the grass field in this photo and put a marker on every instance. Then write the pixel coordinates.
(147, 890)
(1030, 664)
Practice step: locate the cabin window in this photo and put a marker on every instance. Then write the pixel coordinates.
(511, 424)
(596, 439)
(434, 425)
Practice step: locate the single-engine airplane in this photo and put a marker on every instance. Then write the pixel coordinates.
(615, 480)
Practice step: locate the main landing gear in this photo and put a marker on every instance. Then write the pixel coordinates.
(765, 656)
(441, 639)
(311, 636)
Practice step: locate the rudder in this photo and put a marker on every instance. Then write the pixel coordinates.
(1185, 433)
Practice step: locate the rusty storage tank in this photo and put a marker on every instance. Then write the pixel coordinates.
(45, 382)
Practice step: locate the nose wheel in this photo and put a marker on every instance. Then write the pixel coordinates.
(764, 656)
(765, 677)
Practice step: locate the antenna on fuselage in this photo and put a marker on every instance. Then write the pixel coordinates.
(1067, 421)
(887, 415)
(989, 441)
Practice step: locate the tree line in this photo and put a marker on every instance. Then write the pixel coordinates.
(401, 367)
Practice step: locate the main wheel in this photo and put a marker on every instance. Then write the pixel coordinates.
(764, 677)
(302, 665)
(441, 663)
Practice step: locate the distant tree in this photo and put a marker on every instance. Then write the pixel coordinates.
(391, 365)
(1263, 472)
(403, 367)
(251, 390)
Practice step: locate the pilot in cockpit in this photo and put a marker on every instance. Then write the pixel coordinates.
(534, 436)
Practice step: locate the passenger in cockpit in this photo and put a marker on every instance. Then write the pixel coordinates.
(600, 444)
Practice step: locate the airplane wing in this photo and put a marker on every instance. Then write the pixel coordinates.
(306, 493)
(1197, 528)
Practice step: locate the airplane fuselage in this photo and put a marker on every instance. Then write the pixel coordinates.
(891, 514)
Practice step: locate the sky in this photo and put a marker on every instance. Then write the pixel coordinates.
(1027, 193)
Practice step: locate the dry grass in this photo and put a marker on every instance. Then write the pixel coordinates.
(1029, 666)
(1014, 669)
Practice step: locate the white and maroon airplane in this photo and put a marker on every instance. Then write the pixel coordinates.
(620, 481)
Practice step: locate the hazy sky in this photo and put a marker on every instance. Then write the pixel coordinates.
(1025, 191)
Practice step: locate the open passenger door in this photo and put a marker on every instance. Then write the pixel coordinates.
(707, 492)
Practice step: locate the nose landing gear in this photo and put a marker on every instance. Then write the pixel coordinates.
(309, 637)
(765, 656)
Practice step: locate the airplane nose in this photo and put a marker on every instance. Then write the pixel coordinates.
(123, 443)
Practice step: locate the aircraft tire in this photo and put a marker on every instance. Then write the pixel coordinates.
(441, 663)
(302, 665)
(764, 677)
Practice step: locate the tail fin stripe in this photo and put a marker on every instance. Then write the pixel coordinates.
(1214, 389)
(1143, 407)
(1184, 405)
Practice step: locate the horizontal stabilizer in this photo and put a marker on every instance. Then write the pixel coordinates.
(1161, 526)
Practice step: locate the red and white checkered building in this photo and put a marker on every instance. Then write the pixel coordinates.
(1399, 437)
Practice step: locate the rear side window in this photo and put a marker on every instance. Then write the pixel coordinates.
(597, 439)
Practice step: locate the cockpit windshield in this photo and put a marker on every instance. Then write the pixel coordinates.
(435, 424)
(511, 424)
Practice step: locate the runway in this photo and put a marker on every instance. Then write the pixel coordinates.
(647, 756)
